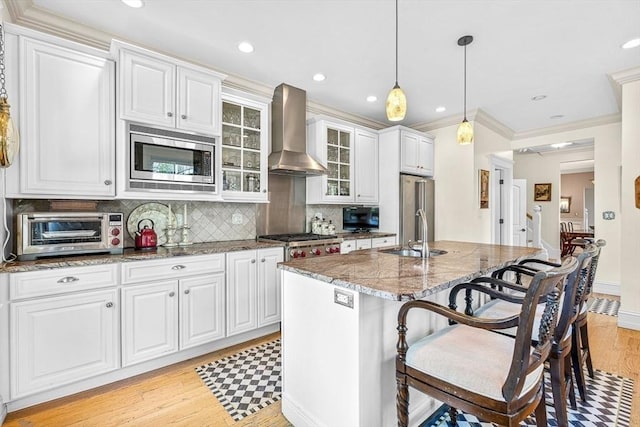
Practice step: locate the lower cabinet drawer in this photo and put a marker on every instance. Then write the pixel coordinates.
(381, 242)
(174, 267)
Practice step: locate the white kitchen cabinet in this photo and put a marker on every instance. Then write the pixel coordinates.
(269, 292)
(363, 244)
(347, 246)
(366, 243)
(382, 242)
(366, 167)
(62, 339)
(164, 91)
(253, 289)
(416, 153)
(245, 147)
(201, 309)
(67, 122)
(149, 321)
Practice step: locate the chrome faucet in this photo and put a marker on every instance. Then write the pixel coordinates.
(424, 244)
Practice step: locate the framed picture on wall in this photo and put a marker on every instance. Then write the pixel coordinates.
(484, 189)
(565, 204)
(542, 192)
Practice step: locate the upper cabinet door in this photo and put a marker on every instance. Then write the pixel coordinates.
(147, 89)
(198, 102)
(366, 166)
(416, 154)
(425, 156)
(68, 125)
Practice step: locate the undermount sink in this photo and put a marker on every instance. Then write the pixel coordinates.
(412, 253)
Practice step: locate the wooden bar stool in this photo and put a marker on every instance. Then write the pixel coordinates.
(470, 367)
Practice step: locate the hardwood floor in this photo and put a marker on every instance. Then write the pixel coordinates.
(176, 396)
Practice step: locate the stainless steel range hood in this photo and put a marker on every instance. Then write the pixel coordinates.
(289, 134)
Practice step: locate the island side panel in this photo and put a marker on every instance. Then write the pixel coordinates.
(320, 355)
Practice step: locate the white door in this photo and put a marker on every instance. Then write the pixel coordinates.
(147, 90)
(58, 340)
(201, 309)
(68, 129)
(241, 292)
(149, 321)
(519, 197)
(198, 101)
(366, 166)
(269, 285)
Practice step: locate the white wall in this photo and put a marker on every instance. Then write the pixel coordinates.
(546, 168)
(629, 315)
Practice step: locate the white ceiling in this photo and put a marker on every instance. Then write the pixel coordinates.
(563, 49)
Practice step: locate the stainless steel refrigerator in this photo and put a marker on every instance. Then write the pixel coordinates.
(415, 193)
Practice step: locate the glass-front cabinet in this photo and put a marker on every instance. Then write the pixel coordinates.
(245, 131)
(339, 149)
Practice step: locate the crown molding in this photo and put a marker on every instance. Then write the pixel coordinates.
(478, 116)
(626, 76)
(321, 109)
(567, 127)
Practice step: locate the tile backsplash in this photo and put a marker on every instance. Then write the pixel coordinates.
(331, 213)
(209, 221)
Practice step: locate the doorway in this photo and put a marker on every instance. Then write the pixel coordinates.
(500, 200)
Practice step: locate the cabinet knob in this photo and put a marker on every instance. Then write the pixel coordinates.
(264, 190)
(68, 279)
(183, 117)
(169, 114)
(109, 304)
(178, 267)
(171, 294)
(253, 261)
(186, 291)
(108, 182)
(358, 195)
(262, 260)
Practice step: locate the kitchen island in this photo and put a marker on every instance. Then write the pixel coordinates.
(339, 328)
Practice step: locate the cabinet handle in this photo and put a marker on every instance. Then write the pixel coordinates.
(178, 267)
(183, 117)
(186, 291)
(68, 279)
(107, 182)
(358, 195)
(171, 294)
(262, 260)
(253, 261)
(169, 114)
(109, 304)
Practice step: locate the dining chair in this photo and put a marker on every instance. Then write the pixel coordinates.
(505, 304)
(580, 353)
(470, 367)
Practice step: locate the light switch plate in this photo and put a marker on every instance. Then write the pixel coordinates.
(343, 298)
(236, 218)
(608, 215)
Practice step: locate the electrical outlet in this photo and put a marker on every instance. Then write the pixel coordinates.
(343, 298)
(608, 215)
(236, 218)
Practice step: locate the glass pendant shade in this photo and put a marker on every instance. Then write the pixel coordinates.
(396, 104)
(465, 133)
(9, 141)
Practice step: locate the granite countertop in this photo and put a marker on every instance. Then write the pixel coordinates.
(348, 235)
(136, 255)
(388, 276)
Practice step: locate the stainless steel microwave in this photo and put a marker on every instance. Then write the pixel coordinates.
(48, 234)
(168, 160)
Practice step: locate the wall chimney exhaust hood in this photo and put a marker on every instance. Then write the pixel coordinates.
(289, 134)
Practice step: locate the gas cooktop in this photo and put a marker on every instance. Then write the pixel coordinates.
(296, 237)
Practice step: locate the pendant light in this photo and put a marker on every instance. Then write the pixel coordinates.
(396, 101)
(9, 141)
(465, 130)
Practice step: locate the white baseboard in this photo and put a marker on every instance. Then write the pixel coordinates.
(606, 288)
(296, 415)
(629, 320)
(3, 411)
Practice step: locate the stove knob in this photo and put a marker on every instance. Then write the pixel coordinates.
(115, 241)
(115, 231)
(294, 254)
(303, 254)
(328, 250)
(337, 249)
(317, 251)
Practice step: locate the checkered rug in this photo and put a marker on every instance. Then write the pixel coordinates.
(247, 381)
(603, 306)
(608, 404)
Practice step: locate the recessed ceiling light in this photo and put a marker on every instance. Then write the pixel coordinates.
(631, 44)
(133, 3)
(561, 144)
(557, 116)
(538, 97)
(319, 77)
(441, 109)
(245, 47)
(372, 98)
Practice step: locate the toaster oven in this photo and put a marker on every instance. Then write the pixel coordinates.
(49, 234)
